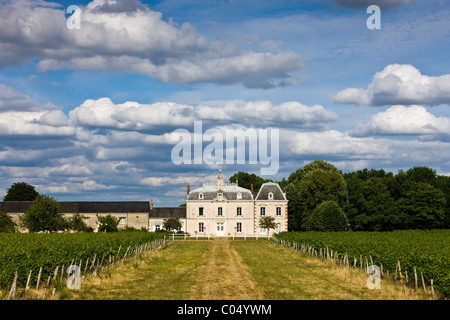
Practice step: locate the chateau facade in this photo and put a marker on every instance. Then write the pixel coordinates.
(225, 209)
(216, 209)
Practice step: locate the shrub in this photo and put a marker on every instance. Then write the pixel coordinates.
(327, 216)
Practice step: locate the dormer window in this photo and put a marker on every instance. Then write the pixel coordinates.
(200, 196)
(270, 196)
(239, 196)
(219, 196)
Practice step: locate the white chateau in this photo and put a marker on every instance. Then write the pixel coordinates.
(216, 209)
(225, 209)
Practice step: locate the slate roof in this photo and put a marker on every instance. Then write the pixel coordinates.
(229, 193)
(102, 207)
(168, 212)
(267, 187)
(83, 207)
(15, 206)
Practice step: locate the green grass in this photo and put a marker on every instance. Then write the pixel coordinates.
(236, 270)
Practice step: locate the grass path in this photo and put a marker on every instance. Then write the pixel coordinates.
(226, 269)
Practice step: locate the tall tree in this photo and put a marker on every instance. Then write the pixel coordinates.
(310, 185)
(245, 180)
(301, 173)
(21, 191)
(319, 186)
(375, 206)
(444, 185)
(422, 207)
(44, 214)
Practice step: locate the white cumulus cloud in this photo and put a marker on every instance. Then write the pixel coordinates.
(404, 120)
(399, 84)
(127, 36)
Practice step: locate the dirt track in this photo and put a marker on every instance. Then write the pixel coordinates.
(225, 276)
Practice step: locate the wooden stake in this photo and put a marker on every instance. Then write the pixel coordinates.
(39, 278)
(423, 283)
(56, 272)
(432, 289)
(28, 282)
(399, 270)
(415, 277)
(12, 292)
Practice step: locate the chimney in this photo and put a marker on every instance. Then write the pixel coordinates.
(188, 189)
(151, 204)
(251, 188)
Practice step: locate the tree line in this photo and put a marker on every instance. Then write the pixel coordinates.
(323, 198)
(320, 196)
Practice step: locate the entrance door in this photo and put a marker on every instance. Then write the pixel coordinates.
(220, 232)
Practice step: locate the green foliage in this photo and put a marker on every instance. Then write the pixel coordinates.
(425, 250)
(76, 223)
(245, 180)
(21, 191)
(44, 214)
(422, 207)
(327, 216)
(172, 224)
(23, 252)
(7, 225)
(375, 208)
(309, 186)
(301, 173)
(319, 186)
(294, 209)
(407, 207)
(108, 223)
(267, 222)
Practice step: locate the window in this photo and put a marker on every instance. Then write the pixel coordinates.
(278, 211)
(122, 220)
(157, 227)
(239, 227)
(239, 196)
(219, 211)
(200, 196)
(239, 211)
(270, 196)
(278, 227)
(201, 227)
(200, 211)
(219, 196)
(262, 211)
(262, 230)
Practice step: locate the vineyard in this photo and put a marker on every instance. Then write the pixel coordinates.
(407, 251)
(26, 258)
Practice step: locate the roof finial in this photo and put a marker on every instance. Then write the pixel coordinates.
(220, 178)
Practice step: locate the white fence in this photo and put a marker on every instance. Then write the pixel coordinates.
(244, 236)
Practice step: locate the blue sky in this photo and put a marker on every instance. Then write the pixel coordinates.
(87, 114)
